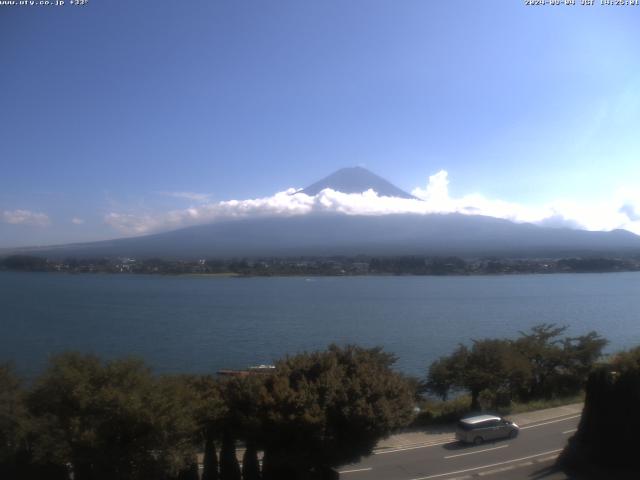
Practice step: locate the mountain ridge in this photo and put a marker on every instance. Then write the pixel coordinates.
(335, 234)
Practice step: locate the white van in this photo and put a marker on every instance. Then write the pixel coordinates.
(481, 428)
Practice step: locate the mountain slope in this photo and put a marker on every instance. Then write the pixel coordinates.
(336, 234)
(324, 234)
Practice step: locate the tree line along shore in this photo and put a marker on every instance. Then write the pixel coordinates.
(87, 418)
(325, 266)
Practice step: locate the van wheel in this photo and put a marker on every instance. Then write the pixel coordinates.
(477, 440)
(513, 434)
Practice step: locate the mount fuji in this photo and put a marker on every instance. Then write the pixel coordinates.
(332, 234)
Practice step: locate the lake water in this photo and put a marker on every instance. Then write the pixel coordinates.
(202, 324)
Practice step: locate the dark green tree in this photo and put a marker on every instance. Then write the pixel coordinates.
(191, 472)
(490, 367)
(176, 430)
(496, 367)
(229, 466)
(626, 360)
(605, 445)
(14, 424)
(581, 353)
(542, 348)
(538, 364)
(242, 420)
(559, 366)
(210, 413)
(446, 373)
(112, 420)
(210, 459)
(250, 464)
(324, 409)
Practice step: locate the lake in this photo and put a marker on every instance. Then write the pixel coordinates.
(202, 324)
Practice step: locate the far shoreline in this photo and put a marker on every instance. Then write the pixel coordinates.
(335, 266)
(313, 276)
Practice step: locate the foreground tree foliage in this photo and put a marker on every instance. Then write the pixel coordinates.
(242, 422)
(539, 364)
(626, 361)
(112, 420)
(88, 419)
(324, 409)
(606, 443)
(209, 411)
(14, 423)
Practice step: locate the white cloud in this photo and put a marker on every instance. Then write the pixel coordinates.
(282, 203)
(437, 191)
(25, 217)
(77, 221)
(619, 212)
(630, 211)
(192, 196)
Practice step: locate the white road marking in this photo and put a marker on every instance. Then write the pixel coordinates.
(546, 459)
(476, 451)
(415, 447)
(488, 466)
(435, 444)
(552, 421)
(570, 431)
(355, 470)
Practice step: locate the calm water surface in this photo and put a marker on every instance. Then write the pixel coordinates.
(201, 324)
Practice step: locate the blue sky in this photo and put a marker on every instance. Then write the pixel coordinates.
(125, 110)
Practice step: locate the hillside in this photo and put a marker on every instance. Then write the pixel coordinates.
(336, 234)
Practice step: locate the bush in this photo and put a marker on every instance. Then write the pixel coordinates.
(608, 430)
(440, 412)
(538, 365)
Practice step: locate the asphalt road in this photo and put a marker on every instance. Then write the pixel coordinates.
(535, 448)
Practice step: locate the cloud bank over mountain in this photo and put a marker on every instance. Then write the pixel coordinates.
(25, 217)
(621, 211)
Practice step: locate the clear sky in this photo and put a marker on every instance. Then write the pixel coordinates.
(137, 109)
